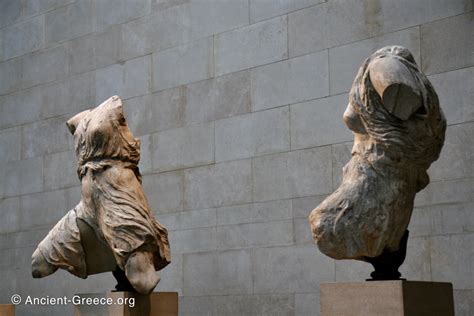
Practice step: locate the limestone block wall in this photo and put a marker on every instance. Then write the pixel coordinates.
(238, 105)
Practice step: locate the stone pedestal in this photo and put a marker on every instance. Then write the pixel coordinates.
(128, 304)
(388, 298)
(7, 310)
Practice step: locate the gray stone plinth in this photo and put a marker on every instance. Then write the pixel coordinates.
(388, 298)
(157, 303)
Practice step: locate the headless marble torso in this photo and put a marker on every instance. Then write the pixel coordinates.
(112, 225)
(398, 132)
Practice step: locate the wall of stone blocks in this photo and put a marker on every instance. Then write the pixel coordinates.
(238, 105)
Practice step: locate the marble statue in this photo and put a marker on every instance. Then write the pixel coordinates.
(399, 130)
(112, 228)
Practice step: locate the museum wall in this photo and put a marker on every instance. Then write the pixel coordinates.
(238, 107)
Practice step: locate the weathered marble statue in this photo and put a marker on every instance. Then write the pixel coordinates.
(398, 131)
(112, 227)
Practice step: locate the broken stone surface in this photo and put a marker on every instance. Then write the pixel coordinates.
(112, 228)
(399, 131)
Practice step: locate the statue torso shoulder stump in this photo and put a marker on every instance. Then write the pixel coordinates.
(398, 131)
(112, 227)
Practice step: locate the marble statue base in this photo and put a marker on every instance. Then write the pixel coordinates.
(388, 298)
(128, 303)
(7, 310)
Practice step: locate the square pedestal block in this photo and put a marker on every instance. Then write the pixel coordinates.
(7, 310)
(388, 298)
(128, 304)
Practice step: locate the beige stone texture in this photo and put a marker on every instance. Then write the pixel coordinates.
(7, 309)
(155, 304)
(388, 298)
